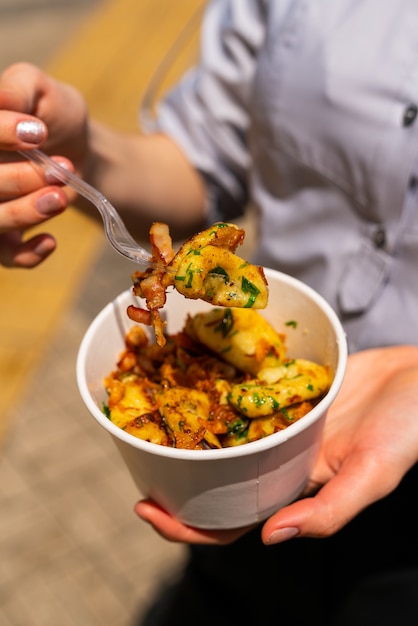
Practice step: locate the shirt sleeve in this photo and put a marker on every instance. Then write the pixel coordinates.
(207, 113)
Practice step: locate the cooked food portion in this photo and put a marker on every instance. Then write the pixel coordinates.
(242, 337)
(206, 267)
(224, 380)
(297, 380)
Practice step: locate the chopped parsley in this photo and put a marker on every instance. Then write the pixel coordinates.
(292, 323)
(106, 410)
(219, 271)
(249, 287)
(226, 324)
(287, 415)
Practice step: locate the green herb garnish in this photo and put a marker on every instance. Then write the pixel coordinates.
(226, 324)
(219, 271)
(249, 287)
(292, 323)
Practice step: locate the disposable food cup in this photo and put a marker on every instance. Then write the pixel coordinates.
(228, 487)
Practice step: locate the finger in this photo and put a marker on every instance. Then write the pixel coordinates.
(173, 530)
(19, 178)
(357, 484)
(18, 131)
(26, 89)
(21, 87)
(11, 100)
(33, 209)
(28, 254)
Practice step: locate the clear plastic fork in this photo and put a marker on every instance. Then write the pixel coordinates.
(115, 229)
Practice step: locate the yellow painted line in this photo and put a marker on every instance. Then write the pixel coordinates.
(116, 52)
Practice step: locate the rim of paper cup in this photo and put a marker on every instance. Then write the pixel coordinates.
(253, 447)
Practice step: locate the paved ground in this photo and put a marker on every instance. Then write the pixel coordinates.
(72, 553)
(32, 30)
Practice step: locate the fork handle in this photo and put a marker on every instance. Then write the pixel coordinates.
(115, 229)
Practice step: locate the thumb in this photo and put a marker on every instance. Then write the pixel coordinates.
(21, 86)
(357, 484)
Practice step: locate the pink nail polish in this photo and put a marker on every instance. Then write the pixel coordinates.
(49, 204)
(44, 247)
(51, 178)
(31, 131)
(282, 534)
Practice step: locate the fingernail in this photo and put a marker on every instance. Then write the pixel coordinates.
(44, 247)
(49, 204)
(283, 534)
(31, 131)
(51, 178)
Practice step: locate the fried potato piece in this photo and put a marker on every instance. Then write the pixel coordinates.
(205, 267)
(260, 427)
(240, 336)
(263, 426)
(129, 397)
(145, 427)
(132, 392)
(304, 380)
(185, 412)
(132, 407)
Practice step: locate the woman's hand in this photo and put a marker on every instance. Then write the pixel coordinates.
(370, 442)
(35, 111)
(29, 202)
(27, 199)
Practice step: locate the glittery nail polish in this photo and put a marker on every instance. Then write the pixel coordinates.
(30, 131)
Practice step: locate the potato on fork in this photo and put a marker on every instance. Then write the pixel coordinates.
(205, 267)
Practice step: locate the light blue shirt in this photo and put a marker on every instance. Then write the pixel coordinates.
(308, 108)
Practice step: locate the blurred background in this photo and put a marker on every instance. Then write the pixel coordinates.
(72, 552)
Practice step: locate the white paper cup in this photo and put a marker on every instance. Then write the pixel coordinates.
(229, 487)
